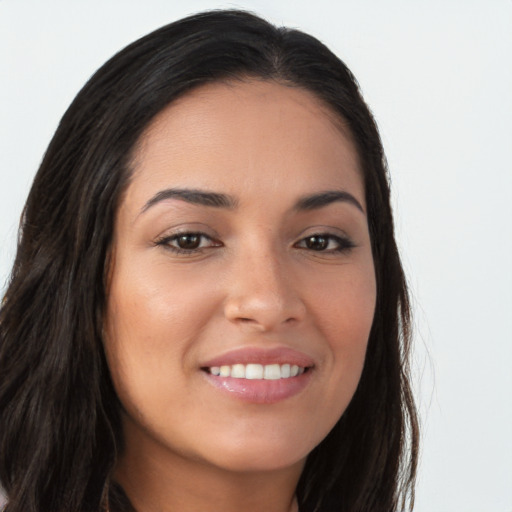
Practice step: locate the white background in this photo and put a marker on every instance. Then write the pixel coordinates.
(438, 76)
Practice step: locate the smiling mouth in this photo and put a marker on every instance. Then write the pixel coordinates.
(254, 371)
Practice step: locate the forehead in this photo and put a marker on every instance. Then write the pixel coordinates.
(261, 131)
(252, 94)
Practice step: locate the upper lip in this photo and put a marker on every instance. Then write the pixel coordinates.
(258, 355)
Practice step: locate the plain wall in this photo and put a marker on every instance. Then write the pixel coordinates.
(438, 76)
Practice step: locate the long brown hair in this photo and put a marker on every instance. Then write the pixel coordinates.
(60, 428)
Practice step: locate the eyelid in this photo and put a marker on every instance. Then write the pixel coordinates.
(167, 239)
(185, 228)
(345, 242)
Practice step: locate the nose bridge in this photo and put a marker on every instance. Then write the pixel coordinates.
(262, 290)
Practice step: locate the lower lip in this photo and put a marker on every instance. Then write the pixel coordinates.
(261, 391)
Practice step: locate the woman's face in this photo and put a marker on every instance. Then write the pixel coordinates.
(242, 288)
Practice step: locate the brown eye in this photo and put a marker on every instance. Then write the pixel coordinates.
(188, 242)
(316, 242)
(326, 243)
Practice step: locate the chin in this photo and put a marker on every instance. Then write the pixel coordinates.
(260, 461)
(260, 453)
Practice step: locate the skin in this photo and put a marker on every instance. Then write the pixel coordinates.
(252, 282)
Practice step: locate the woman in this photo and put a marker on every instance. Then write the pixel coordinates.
(207, 308)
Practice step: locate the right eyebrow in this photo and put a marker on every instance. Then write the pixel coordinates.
(193, 196)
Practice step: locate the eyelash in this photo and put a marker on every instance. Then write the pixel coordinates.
(344, 244)
(166, 242)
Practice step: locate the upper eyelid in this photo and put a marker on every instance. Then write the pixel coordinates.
(187, 229)
(327, 231)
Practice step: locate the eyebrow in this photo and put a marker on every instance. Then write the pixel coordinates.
(217, 200)
(321, 199)
(193, 196)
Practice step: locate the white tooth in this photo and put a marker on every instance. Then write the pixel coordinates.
(301, 370)
(254, 371)
(294, 370)
(285, 371)
(238, 371)
(225, 371)
(215, 370)
(272, 372)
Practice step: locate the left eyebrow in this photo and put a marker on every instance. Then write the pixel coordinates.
(321, 199)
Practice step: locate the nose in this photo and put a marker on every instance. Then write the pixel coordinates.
(262, 293)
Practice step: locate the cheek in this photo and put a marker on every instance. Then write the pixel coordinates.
(151, 322)
(155, 317)
(344, 311)
(149, 335)
(157, 311)
(344, 306)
